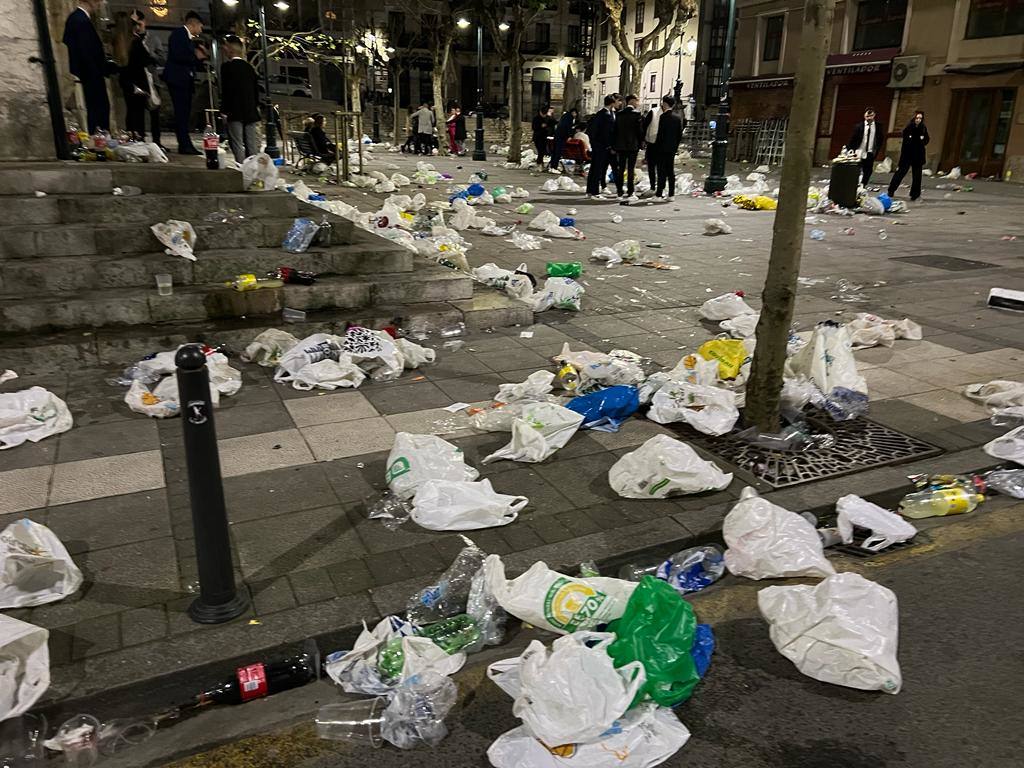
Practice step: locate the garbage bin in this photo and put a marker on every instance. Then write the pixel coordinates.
(842, 185)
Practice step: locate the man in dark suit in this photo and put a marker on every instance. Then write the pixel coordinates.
(88, 63)
(661, 154)
(601, 130)
(240, 99)
(628, 137)
(183, 57)
(866, 140)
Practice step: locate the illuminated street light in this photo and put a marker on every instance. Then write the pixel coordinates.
(462, 23)
(503, 27)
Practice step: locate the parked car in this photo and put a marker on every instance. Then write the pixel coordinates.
(290, 85)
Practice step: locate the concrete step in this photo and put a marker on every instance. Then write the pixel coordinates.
(57, 178)
(82, 273)
(131, 306)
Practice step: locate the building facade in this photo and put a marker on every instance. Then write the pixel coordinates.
(606, 74)
(959, 61)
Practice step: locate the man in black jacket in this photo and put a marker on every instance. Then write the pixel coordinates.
(628, 137)
(88, 63)
(184, 56)
(240, 99)
(601, 130)
(866, 140)
(661, 152)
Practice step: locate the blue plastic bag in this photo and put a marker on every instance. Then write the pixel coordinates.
(463, 195)
(703, 647)
(885, 200)
(606, 409)
(567, 221)
(475, 190)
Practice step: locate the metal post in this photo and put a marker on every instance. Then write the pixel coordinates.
(271, 129)
(478, 148)
(371, 94)
(715, 182)
(218, 599)
(45, 57)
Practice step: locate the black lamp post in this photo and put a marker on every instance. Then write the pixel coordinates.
(715, 182)
(478, 148)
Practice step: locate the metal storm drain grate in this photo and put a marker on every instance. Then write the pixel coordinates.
(842, 449)
(948, 263)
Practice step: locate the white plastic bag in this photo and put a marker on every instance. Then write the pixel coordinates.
(35, 567)
(597, 369)
(24, 666)
(537, 384)
(415, 459)
(375, 352)
(711, 410)
(725, 307)
(662, 467)
(554, 601)
(541, 430)
(644, 737)
(559, 293)
(30, 415)
(551, 185)
(872, 206)
(491, 274)
(414, 355)
(259, 174)
(741, 326)
(996, 395)
(716, 227)
(456, 505)
(768, 542)
(1009, 447)
(867, 330)
(887, 528)
(178, 237)
(827, 360)
(161, 402)
(544, 220)
(267, 348)
(574, 693)
(844, 630)
(319, 361)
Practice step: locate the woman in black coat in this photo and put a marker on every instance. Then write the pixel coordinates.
(912, 156)
(133, 59)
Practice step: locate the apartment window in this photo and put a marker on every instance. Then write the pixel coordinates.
(602, 59)
(396, 22)
(772, 49)
(879, 24)
(543, 33)
(603, 26)
(638, 25)
(995, 18)
(574, 37)
(654, 82)
(638, 46)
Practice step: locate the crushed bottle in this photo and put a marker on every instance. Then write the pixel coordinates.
(693, 569)
(489, 616)
(415, 714)
(939, 502)
(391, 510)
(817, 234)
(453, 330)
(1009, 482)
(450, 635)
(449, 595)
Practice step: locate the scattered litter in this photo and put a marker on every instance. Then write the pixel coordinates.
(456, 407)
(259, 173)
(541, 430)
(939, 502)
(867, 330)
(7, 375)
(524, 241)
(25, 675)
(725, 307)
(662, 467)
(178, 236)
(1004, 298)
(708, 409)
(887, 528)
(716, 227)
(448, 596)
(31, 415)
(35, 566)
(390, 509)
(606, 409)
(415, 459)
(526, 334)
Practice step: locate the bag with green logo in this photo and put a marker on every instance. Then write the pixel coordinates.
(565, 268)
(664, 466)
(657, 629)
(415, 459)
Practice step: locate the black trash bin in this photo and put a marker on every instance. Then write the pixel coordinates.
(842, 185)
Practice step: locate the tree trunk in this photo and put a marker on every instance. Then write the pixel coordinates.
(396, 100)
(779, 295)
(437, 79)
(635, 77)
(515, 109)
(355, 89)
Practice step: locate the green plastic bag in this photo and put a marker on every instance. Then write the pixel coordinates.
(657, 629)
(565, 268)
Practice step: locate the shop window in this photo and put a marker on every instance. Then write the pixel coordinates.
(879, 24)
(772, 48)
(995, 18)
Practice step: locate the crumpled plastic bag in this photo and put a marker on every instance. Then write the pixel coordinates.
(455, 505)
(716, 227)
(541, 430)
(867, 330)
(524, 241)
(25, 666)
(556, 602)
(414, 717)
(499, 417)
(997, 395)
(31, 415)
(597, 369)
(731, 354)
(178, 236)
(664, 466)
(259, 174)
(827, 360)
(161, 401)
(711, 410)
(768, 542)
(644, 737)
(544, 220)
(415, 459)
(887, 528)
(844, 630)
(319, 361)
(1009, 447)
(755, 202)
(872, 206)
(741, 326)
(414, 355)
(606, 409)
(144, 151)
(536, 386)
(35, 567)
(375, 352)
(725, 307)
(574, 692)
(491, 274)
(557, 293)
(267, 348)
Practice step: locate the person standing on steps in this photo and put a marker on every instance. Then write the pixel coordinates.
(184, 56)
(628, 137)
(601, 130)
(867, 141)
(88, 62)
(912, 156)
(666, 144)
(240, 99)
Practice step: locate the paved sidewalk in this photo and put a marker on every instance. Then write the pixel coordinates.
(298, 467)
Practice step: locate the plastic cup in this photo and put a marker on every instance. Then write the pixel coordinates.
(358, 721)
(290, 315)
(164, 285)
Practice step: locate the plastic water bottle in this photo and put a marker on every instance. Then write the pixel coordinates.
(817, 234)
(693, 569)
(939, 502)
(211, 143)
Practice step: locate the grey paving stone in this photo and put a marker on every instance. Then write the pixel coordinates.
(401, 398)
(271, 596)
(352, 482)
(313, 586)
(108, 439)
(521, 536)
(577, 521)
(29, 455)
(551, 530)
(277, 491)
(471, 389)
(349, 576)
(544, 498)
(584, 480)
(143, 625)
(386, 567)
(423, 559)
(100, 523)
(241, 420)
(512, 359)
(478, 447)
(95, 636)
(451, 365)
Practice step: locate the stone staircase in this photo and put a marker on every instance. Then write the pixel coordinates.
(77, 268)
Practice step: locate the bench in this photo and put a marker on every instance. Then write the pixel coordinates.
(307, 152)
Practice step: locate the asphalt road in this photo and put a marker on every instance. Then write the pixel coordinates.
(961, 634)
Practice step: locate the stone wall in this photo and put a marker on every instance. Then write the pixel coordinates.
(25, 132)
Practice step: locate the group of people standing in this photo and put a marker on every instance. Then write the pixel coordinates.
(867, 138)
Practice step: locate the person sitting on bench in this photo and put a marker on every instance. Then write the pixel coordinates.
(323, 146)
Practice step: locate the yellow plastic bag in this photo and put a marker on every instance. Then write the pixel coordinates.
(730, 354)
(757, 203)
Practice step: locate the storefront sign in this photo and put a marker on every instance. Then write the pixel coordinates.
(776, 82)
(856, 69)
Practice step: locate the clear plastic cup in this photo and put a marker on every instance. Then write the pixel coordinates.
(358, 721)
(290, 315)
(164, 285)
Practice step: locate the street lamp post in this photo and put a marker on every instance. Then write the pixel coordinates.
(371, 94)
(715, 182)
(478, 148)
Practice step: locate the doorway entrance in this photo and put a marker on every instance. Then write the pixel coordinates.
(978, 131)
(851, 101)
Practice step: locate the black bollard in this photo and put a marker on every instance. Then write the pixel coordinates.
(218, 599)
